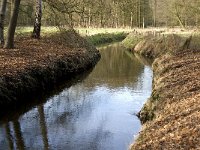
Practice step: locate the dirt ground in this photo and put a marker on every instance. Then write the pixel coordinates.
(36, 65)
(174, 106)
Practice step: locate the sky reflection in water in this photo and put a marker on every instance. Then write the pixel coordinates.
(97, 113)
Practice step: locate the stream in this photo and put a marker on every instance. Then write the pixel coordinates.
(96, 113)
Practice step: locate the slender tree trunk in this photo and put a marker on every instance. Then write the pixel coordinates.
(131, 19)
(155, 13)
(196, 20)
(101, 20)
(12, 25)
(117, 20)
(124, 20)
(185, 13)
(2, 18)
(143, 23)
(71, 21)
(139, 13)
(136, 13)
(11, 7)
(179, 17)
(89, 18)
(38, 17)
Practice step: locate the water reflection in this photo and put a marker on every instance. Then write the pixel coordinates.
(9, 136)
(43, 127)
(96, 113)
(18, 135)
(116, 68)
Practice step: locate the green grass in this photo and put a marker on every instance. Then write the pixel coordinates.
(94, 31)
(131, 40)
(82, 31)
(103, 38)
(96, 36)
(45, 31)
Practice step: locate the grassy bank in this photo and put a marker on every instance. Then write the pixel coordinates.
(171, 115)
(105, 38)
(45, 31)
(96, 36)
(36, 66)
(132, 40)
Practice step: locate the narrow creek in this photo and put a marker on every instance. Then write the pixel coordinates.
(97, 113)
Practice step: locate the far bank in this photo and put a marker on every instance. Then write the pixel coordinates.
(171, 115)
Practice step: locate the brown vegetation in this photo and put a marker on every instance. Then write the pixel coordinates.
(174, 103)
(35, 66)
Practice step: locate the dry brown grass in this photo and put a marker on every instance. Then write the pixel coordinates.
(176, 106)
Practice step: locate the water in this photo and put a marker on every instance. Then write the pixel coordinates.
(97, 113)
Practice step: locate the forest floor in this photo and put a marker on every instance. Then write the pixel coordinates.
(171, 116)
(37, 65)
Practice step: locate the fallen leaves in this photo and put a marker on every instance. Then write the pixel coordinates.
(177, 121)
(36, 66)
(31, 52)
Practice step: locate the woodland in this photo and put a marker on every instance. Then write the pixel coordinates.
(34, 64)
(95, 14)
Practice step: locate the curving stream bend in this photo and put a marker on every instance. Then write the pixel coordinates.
(97, 113)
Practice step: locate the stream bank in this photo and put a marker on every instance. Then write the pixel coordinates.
(170, 117)
(36, 66)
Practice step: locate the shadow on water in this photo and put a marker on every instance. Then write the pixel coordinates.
(12, 112)
(9, 117)
(95, 113)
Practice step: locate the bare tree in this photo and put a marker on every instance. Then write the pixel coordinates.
(2, 18)
(155, 13)
(38, 17)
(12, 25)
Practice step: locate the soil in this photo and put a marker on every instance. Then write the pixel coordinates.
(171, 116)
(36, 66)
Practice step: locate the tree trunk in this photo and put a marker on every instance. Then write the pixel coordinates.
(131, 24)
(143, 23)
(179, 17)
(12, 25)
(2, 18)
(196, 20)
(101, 20)
(38, 17)
(11, 7)
(155, 13)
(89, 19)
(139, 14)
